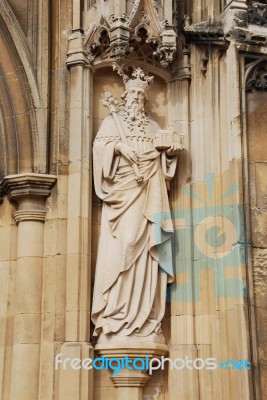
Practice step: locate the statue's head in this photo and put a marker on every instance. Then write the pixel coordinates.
(136, 87)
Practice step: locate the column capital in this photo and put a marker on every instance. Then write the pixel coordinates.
(27, 184)
(29, 191)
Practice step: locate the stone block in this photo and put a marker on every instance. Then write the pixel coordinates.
(208, 381)
(2, 366)
(259, 227)
(75, 383)
(48, 327)
(7, 371)
(27, 329)
(30, 239)
(6, 213)
(55, 237)
(25, 372)
(182, 330)
(5, 233)
(54, 286)
(104, 392)
(261, 185)
(74, 234)
(60, 323)
(47, 371)
(13, 241)
(203, 329)
(261, 318)
(263, 381)
(259, 265)
(183, 382)
(102, 379)
(29, 280)
(257, 119)
(4, 281)
(57, 202)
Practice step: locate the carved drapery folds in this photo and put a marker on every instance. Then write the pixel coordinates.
(141, 36)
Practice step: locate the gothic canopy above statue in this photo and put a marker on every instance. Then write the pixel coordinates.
(117, 32)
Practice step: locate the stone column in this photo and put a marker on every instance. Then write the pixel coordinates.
(78, 383)
(182, 344)
(29, 192)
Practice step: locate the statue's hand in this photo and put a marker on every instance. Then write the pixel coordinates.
(127, 152)
(173, 150)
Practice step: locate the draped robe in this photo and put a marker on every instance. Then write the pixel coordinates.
(134, 260)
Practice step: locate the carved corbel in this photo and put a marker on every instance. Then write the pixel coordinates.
(167, 49)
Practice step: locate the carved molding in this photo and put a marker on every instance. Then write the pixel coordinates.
(232, 26)
(29, 191)
(27, 184)
(29, 215)
(204, 31)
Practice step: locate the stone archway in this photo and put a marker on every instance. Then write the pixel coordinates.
(23, 138)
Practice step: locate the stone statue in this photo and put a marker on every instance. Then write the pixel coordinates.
(134, 261)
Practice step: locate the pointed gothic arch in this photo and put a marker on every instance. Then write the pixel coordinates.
(22, 131)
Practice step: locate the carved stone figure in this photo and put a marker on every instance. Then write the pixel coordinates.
(134, 261)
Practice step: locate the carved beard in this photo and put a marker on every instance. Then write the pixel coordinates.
(136, 111)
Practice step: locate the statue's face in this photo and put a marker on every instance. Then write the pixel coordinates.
(135, 95)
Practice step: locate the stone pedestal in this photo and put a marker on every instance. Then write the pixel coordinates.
(129, 383)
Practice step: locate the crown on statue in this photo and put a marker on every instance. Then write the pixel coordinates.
(139, 79)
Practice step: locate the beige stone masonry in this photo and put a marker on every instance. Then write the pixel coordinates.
(75, 384)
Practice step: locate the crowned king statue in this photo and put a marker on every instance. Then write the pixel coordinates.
(134, 260)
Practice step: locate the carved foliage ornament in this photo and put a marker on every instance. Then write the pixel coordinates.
(257, 13)
(140, 35)
(258, 78)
